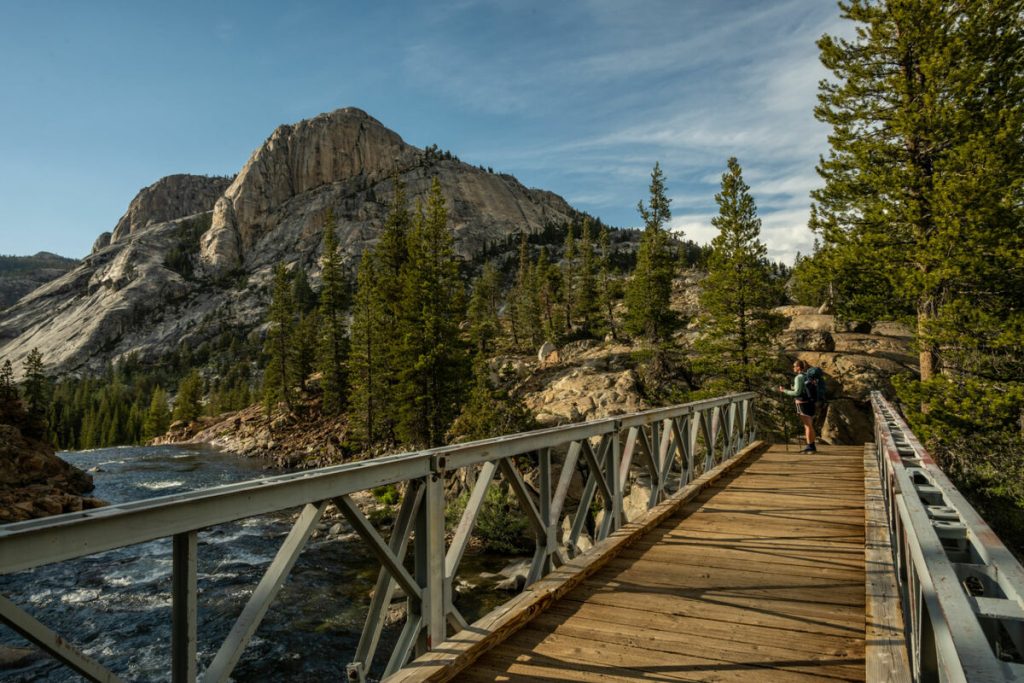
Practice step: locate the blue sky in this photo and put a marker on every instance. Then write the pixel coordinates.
(100, 99)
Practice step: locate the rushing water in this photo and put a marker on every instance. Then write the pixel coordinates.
(116, 606)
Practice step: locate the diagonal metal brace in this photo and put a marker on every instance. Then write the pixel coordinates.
(52, 643)
(377, 545)
(269, 586)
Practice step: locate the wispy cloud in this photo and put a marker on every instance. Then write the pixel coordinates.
(689, 84)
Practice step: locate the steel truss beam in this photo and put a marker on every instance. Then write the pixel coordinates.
(962, 590)
(660, 436)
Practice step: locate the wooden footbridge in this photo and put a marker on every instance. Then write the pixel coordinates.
(744, 562)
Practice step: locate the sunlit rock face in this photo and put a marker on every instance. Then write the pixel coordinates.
(166, 199)
(191, 259)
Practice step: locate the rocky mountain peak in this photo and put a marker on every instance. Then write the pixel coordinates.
(170, 197)
(188, 274)
(337, 147)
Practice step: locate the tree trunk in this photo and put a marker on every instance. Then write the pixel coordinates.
(928, 356)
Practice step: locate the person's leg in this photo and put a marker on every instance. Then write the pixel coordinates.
(808, 421)
(809, 434)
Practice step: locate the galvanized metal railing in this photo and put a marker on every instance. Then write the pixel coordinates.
(670, 445)
(961, 588)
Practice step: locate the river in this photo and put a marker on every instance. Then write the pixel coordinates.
(116, 605)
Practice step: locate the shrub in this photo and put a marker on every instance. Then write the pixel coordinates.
(386, 495)
(501, 525)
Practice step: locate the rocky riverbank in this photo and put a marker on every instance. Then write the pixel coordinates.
(299, 439)
(34, 482)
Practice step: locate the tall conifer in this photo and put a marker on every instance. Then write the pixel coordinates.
(37, 390)
(434, 361)
(736, 349)
(277, 378)
(921, 201)
(649, 290)
(332, 347)
(608, 287)
(188, 404)
(569, 294)
(484, 304)
(368, 372)
(585, 282)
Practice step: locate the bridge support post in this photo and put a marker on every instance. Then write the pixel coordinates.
(435, 598)
(183, 609)
(615, 477)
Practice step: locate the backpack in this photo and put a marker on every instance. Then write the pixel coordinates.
(814, 385)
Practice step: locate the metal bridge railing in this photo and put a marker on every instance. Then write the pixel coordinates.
(961, 588)
(672, 445)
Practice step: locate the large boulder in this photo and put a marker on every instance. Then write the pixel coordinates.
(808, 340)
(856, 359)
(846, 422)
(581, 392)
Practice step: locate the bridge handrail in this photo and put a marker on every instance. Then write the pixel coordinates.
(961, 589)
(664, 442)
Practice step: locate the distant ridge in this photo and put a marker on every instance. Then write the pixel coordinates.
(19, 275)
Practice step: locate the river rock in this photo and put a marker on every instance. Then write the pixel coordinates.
(34, 482)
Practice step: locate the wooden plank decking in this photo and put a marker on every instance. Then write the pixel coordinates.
(760, 578)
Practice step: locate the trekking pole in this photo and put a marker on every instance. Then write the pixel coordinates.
(785, 432)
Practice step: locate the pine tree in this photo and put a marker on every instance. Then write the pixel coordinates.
(569, 277)
(585, 282)
(188, 403)
(608, 287)
(376, 362)
(302, 294)
(368, 374)
(10, 406)
(649, 290)
(333, 345)
(484, 304)
(736, 349)
(37, 389)
(304, 349)
(524, 310)
(545, 288)
(158, 416)
(921, 198)
(277, 378)
(434, 362)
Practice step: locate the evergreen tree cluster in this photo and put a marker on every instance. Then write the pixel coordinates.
(409, 361)
(921, 214)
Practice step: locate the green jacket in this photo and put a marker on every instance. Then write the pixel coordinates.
(798, 386)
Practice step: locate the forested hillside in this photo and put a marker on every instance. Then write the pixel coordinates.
(19, 275)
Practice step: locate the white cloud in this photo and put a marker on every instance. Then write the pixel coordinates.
(619, 86)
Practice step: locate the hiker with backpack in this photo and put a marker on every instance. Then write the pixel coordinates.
(807, 390)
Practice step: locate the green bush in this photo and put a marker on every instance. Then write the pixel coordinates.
(386, 495)
(501, 525)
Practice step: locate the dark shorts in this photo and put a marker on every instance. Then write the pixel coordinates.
(805, 408)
